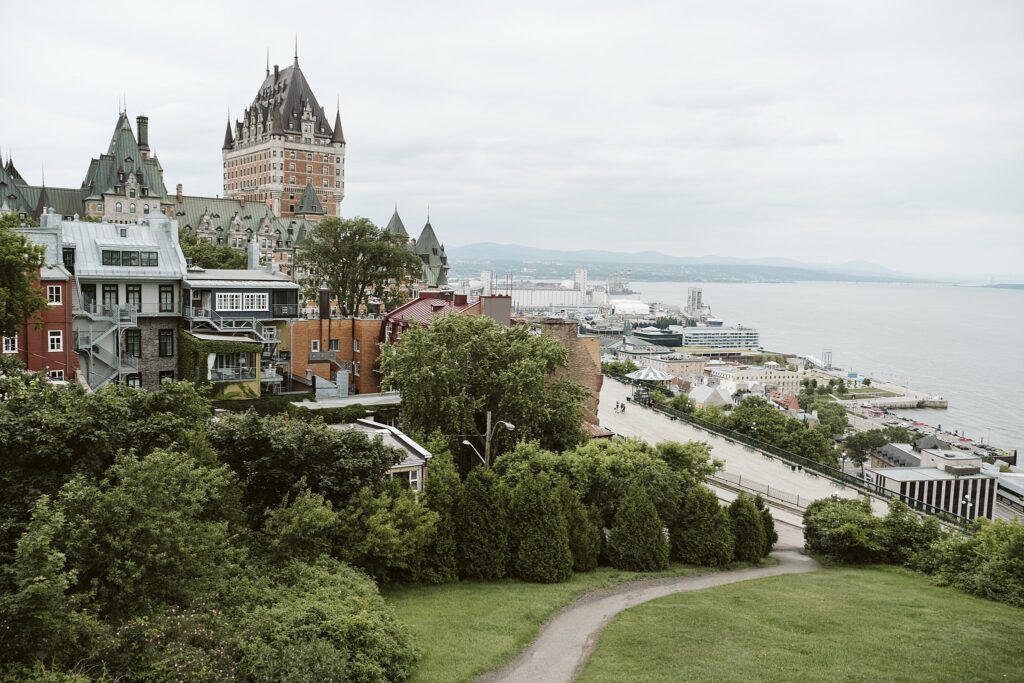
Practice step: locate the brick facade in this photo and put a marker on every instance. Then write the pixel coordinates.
(584, 363)
(34, 336)
(365, 331)
(151, 364)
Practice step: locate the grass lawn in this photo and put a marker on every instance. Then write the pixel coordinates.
(843, 624)
(865, 392)
(465, 629)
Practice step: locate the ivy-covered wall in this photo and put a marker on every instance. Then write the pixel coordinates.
(192, 365)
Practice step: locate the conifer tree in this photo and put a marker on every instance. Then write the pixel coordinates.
(584, 533)
(747, 529)
(441, 493)
(771, 536)
(702, 533)
(481, 527)
(637, 540)
(538, 536)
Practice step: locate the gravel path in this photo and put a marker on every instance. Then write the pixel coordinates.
(560, 651)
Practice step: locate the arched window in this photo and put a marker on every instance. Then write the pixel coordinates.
(117, 207)
(145, 209)
(131, 208)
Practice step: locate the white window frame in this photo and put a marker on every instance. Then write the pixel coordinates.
(355, 368)
(11, 344)
(55, 336)
(414, 480)
(57, 375)
(229, 301)
(314, 346)
(255, 301)
(54, 295)
(355, 345)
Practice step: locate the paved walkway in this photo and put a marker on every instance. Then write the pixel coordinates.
(739, 459)
(566, 641)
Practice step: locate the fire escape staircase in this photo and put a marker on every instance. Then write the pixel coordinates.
(95, 324)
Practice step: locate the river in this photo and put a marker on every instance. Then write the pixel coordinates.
(963, 343)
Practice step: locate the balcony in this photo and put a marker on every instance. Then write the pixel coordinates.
(322, 356)
(124, 315)
(236, 373)
(285, 310)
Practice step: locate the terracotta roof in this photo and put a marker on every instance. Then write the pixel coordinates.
(597, 431)
(423, 311)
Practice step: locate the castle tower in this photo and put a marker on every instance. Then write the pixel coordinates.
(284, 144)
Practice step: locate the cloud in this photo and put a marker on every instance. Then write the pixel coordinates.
(878, 131)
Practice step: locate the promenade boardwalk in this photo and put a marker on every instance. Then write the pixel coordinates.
(739, 459)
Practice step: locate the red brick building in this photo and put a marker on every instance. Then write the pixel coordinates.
(45, 343)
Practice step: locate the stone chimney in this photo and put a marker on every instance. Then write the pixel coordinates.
(241, 201)
(178, 194)
(142, 122)
(253, 255)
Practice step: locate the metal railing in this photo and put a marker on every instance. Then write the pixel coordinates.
(748, 484)
(124, 315)
(322, 356)
(285, 310)
(799, 462)
(235, 373)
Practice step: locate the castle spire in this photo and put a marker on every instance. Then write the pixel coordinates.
(338, 136)
(268, 62)
(296, 49)
(229, 140)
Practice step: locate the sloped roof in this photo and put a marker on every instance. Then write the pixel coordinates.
(65, 201)
(395, 225)
(282, 98)
(424, 310)
(309, 203)
(431, 252)
(123, 156)
(152, 234)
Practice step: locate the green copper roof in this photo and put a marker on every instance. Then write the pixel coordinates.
(123, 159)
(395, 226)
(309, 203)
(431, 252)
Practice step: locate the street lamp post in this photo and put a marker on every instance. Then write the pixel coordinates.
(489, 434)
(967, 507)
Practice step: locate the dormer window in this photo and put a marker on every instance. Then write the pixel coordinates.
(131, 194)
(124, 232)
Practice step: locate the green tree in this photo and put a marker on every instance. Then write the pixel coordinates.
(462, 366)
(441, 494)
(906, 533)
(205, 254)
(354, 257)
(538, 535)
(637, 539)
(481, 527)
(148, 533)
(272, 454)
(584, 532)
(832, 415)
(771, 536)
(322, 622)
(21, 296)
(844, 530)
(301, 529)
(385, 531)
(682, 402)
(747, 529)
(702, 533)
(866, 382)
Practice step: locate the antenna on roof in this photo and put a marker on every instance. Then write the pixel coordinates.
(296, 49)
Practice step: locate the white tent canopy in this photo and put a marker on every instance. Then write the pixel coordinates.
(650, 374)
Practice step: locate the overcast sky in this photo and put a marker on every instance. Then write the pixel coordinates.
(891, 132)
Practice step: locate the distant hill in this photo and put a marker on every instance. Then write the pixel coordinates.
(654, 264)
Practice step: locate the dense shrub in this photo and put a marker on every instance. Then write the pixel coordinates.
(905, 534)
(481, 526)
(637, 540)
(538, 537)
(990, 563)
(747, 529)
(584, 532)
(301, 529)
(441, 494)
(384, 530)
(771, 537)
(702, 533)
(844, 529)
(323, 622)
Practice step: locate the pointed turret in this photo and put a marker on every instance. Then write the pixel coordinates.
(309, 204)
(229, 139)
(338, 135)
(395, 225)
